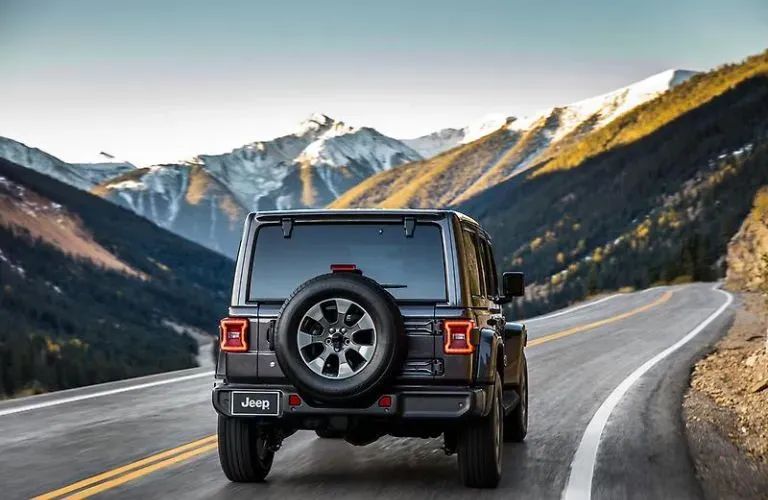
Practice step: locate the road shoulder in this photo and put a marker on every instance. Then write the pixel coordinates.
(725, 421)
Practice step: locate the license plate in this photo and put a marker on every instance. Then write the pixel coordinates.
(262, 404)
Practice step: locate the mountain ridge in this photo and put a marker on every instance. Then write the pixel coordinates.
(309, 168)
(442, 140)
(520, 143)
(81, 175)
(204, 198)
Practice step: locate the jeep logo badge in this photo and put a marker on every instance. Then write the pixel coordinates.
(262, 404)
(255, 403)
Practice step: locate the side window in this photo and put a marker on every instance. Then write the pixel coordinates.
(491, 278)
(473, 264)
(481, 267)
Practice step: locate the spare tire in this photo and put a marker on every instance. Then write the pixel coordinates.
(339, 337)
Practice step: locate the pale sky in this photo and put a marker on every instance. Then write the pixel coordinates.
(163, 80)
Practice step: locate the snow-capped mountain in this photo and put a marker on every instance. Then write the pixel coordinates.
(584, 115)
(485, 125)
(205, 198)
(542, 133)
(104, 167)
(184, 199)
(311, 167)
(435, 143)
(497, 147)
(82, 176)
(604, 108)
(438, 142)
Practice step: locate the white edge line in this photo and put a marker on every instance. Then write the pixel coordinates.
(72, 399)
(579, 486)
(571, 309)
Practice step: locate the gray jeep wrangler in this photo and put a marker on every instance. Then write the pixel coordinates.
(358, 324)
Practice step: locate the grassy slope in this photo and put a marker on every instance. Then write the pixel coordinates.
(430, 183)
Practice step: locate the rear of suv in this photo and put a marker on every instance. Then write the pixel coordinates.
(363, 323)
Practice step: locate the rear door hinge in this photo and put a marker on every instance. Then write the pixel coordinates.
(438, 367)
(287, 224)
(437, 327)
(409, 223)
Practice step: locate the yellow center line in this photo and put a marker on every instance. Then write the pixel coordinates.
(125, 468)
(93, 490)
(602, 322)
(179, 454)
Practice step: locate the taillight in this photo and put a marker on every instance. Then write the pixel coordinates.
(457, 334)
(233, 334)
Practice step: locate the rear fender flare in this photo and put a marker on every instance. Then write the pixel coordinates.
(516, 337)
(488, 347)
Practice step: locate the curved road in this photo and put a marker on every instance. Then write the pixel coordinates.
(606, 380)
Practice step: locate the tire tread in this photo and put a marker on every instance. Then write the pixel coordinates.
(238, 451)
(477, 460)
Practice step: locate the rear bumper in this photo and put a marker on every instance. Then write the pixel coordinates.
(424, 403)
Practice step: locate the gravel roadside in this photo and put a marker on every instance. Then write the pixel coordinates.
(726, 409)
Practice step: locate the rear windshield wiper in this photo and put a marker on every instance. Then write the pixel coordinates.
(392, 285)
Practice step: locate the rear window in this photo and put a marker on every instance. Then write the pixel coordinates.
(410, 268)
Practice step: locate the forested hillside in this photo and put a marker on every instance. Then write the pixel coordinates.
(87, 289)
(654, 198)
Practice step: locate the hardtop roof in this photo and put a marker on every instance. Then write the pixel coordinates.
(398, 212)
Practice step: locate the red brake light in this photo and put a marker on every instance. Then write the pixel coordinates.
(457, 333)
(343, 267)
(233, 334)
(294, 400)
(385, 402)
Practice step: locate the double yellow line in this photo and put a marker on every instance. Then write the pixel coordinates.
(121, 475)
(115, 477)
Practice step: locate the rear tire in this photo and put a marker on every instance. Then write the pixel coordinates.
(329, 434)
(480, 446)
(243, 452)
(516, 423)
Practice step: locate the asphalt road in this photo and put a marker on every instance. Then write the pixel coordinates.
(622, 437)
